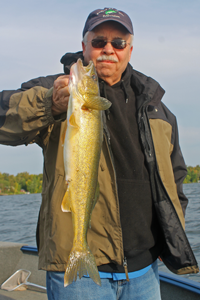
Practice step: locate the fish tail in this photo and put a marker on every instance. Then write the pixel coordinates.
(81, 263)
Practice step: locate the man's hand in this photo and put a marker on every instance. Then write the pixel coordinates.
(61, 94)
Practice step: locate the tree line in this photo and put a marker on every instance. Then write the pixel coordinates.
(193, 174)
(27, 183)
(20, 184)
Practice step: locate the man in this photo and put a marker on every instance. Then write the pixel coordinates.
(139, 215)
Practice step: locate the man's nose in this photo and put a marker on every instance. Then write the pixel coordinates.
(108, 48)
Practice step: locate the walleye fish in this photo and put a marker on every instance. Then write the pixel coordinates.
(82, 147)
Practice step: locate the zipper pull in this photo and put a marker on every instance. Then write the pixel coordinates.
(125, 268)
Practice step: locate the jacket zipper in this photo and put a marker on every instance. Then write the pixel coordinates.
(125, 265)
(143, 125)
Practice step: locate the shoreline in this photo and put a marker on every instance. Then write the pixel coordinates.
(27, 193)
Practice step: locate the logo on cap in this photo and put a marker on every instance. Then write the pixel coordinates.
(110, 11)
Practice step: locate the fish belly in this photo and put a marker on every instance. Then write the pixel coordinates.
(83, 148)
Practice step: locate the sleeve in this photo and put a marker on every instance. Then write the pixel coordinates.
(179, 168)
(26, 112)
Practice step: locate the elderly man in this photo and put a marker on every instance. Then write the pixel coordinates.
(139, 215)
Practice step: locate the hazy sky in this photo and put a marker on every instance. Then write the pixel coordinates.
(35, 34)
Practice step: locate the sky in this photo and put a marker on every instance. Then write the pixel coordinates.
(34, 35)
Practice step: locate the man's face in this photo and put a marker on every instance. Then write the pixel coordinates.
(107, 69)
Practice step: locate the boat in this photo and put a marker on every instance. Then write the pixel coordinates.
(16, 258)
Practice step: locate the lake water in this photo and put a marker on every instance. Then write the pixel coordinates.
(19, 214)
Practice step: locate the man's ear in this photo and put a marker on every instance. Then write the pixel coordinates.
(83, 48)
(131, 49)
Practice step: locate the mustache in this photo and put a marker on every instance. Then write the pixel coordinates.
(107, 57)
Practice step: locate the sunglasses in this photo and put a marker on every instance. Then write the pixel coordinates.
(116, 43)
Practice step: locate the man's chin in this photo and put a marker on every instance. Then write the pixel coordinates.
(105, 69)
(104, 75)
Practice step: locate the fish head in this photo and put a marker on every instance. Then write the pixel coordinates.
(84, 82)
(87, 83)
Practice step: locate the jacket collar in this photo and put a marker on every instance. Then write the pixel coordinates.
(69, 59)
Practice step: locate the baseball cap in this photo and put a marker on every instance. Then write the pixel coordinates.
(99, 16)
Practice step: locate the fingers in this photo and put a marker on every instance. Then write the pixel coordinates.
(60, 95)
(61, 81)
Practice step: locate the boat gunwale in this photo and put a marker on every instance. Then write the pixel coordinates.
(173, 279)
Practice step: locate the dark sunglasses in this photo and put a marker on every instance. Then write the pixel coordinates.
(116, 43)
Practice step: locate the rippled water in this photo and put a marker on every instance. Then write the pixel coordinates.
(19, 213)
(18, 218)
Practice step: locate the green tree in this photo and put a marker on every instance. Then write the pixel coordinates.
(10, 184)
(193, 174)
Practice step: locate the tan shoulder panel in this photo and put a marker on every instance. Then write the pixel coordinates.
(161, 133)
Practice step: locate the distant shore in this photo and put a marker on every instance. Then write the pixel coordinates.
(22, 183)
(26, 193)
(25, 183)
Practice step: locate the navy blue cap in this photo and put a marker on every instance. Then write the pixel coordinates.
(99, 16)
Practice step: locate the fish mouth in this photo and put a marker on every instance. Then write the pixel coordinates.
(88, 70)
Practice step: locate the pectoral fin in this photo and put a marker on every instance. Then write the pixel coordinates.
(96, 102)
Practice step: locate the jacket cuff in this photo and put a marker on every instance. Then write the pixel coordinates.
(48, 105)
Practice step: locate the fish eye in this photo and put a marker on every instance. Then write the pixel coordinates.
(94, 77)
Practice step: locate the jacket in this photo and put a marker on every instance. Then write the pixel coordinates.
(25, 117)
